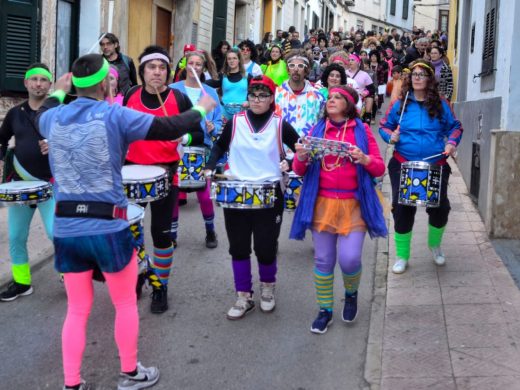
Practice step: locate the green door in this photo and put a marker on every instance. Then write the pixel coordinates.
(219, 22)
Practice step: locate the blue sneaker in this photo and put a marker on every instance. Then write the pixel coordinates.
(322, 322)
(350, 308)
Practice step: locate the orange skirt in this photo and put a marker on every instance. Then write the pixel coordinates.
(338, 216)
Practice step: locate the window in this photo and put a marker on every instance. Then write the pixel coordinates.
(20, 42)
(472, 45)
(194, 33)
(360, 24)
(488, 51)
(392, 7)
(405, 9)
(444, 16)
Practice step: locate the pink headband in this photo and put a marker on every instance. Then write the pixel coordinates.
(340, 58)
(354, 57)
(114, 72)
(344, 93)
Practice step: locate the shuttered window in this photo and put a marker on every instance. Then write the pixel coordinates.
(392, 7)
(488, 51)
(19, 45)
(405, 9)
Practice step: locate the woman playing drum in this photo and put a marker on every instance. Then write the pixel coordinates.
(428, 128)
(254, 139)
(338, 202)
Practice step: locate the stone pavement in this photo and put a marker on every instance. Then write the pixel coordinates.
(450, 327)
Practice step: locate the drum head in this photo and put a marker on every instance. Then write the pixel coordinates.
(141, 172)
(135, 213)
(20, 186)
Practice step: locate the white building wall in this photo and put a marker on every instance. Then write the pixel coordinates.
(376, 9)
(205, 25)
(397, 19)
(230, 28)
(314, 7)
(504, 51)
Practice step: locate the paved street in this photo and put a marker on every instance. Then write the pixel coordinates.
(193, 344)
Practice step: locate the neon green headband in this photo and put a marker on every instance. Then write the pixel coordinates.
(93, 79)
(38, 71)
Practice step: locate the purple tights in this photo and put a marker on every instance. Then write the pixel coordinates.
(348, 249)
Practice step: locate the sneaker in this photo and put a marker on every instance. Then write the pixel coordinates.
(183, 202)
(159, 299)
(438, 256)
(267, 303)
(83, 386)
(322, 322)
(399, 266)
(350, 308)
(242, 306)
(174, 243)
(211, 239)
(15, 290)
(145, 377)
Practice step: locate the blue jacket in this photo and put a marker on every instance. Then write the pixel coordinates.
(214, 116)
(420, 135)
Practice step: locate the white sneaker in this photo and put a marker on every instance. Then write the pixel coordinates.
(438, 256)
(267, 303)
(243, 305)
(145, 377)
(399, 266)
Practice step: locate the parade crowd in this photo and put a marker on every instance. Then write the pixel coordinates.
(249, 127)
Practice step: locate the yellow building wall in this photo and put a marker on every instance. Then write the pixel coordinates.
(452, 52)
(139, 26)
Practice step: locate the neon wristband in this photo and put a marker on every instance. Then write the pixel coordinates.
(38, 72)
(59, 95)
(200, 110)
(189, 139)
(93, 79)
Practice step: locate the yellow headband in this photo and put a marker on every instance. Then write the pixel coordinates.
(421, 64)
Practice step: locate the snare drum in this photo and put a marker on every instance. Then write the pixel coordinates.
(292, 192)
(135, 214)
(25, 192)
(145, 183)
(191, 168)
(420, 184)
(244, 195)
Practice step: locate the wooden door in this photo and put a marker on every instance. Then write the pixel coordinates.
(163, 28)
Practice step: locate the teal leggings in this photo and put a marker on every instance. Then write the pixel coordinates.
(19, 222)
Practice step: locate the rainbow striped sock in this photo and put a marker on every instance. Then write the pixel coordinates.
(351, 281)
(324, 284)
(162, 263)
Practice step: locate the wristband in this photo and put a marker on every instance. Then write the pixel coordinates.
(186, 139)
(59, 95)
(200, 110)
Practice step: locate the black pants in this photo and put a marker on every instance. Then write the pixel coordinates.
(404, 216)
(162, 211)
(263, 224)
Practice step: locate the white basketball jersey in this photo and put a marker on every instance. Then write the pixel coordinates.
(255, 156)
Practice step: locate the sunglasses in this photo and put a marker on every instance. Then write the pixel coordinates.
(294, 66)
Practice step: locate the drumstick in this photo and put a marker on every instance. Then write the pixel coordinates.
(404, 106)
(97, 43)
(224, 176)
(435, 155)
(160, 101)
(197, 79)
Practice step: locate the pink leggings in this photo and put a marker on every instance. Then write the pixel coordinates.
(80, 294)
(206, 205)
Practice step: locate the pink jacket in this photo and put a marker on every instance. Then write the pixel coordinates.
(341, 183)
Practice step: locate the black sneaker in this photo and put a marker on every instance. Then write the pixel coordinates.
(211, 239)
(322, 322)
(183, 202)
(350, 308)
(159, 299)
(15, 290)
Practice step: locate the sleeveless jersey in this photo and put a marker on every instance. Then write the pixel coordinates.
(255, 156)
(153, 152)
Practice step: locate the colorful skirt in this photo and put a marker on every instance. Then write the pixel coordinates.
(338, 216)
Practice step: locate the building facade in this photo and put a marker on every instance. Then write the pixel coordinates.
(431, 15)
(488, 92)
